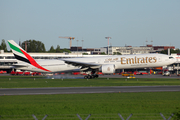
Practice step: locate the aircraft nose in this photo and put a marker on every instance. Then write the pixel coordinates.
(174, 60)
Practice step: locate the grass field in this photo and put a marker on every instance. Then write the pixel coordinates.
(100, 106)
(143, 106)
(29, 82)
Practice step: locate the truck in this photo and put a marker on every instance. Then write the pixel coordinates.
(127, 74)
(167, 73)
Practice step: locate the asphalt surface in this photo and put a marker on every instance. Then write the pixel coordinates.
(68, 76)
(110, 76)
(140, 76)
(83, 90)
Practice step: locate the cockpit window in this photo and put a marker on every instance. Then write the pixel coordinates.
(171, 57)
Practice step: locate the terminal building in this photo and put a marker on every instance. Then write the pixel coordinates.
(126, 50)
(123, 50)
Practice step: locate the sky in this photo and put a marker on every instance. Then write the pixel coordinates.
(127, 22)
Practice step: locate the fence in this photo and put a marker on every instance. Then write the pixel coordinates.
(118, 116)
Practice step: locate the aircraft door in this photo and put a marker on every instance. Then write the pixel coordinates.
(99, 61)
(159, 59)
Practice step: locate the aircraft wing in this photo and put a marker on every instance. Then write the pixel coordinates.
(92, 65)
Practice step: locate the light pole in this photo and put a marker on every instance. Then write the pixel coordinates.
(82, 44)
(146, 42)
(26, 42)
(108, 43)
(77, 47)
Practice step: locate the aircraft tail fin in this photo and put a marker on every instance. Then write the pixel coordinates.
(19, 53)
(22, 55)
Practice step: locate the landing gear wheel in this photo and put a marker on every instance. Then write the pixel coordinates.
(96, 76)
(89, 76)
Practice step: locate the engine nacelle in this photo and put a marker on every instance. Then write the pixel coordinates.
(108, 69)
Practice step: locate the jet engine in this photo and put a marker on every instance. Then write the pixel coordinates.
(108, 69)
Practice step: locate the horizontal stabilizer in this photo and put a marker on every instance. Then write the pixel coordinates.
(20, 65)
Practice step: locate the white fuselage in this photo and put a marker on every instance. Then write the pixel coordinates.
(119, 61)
(52, 65)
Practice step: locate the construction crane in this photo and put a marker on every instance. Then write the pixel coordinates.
(70, 38)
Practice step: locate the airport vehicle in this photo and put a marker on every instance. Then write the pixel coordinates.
(3, 72)
(137, 73)
(140, 73)
(105, 64)
(167, 73)
(19, 72)
(127, 74)
(13, 73)
(27, 73)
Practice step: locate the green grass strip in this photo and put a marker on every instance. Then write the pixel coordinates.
(37, 82)
(101, 106)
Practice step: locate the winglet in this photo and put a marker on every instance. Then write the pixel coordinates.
(22, 55)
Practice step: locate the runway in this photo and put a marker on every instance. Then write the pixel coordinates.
(84, 90)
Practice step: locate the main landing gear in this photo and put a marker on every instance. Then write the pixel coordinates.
(91, 76)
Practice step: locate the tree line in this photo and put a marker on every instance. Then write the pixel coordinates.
(35, 46)
(38, 46)
(171, 51)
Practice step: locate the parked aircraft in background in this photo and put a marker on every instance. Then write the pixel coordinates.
(105, 64)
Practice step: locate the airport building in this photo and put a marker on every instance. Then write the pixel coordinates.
(126, 50)
(89, 51)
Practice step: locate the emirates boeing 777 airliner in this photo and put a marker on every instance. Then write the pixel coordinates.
(106, 64)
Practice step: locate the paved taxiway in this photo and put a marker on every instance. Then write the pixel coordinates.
(81, 90)
(140, 76)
